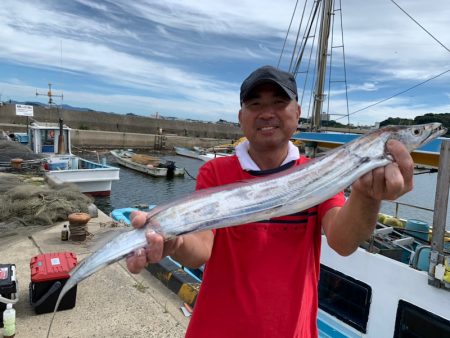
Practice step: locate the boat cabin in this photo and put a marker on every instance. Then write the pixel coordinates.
(44, 138)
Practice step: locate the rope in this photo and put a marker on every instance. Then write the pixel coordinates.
(77, 229)
(187, 172)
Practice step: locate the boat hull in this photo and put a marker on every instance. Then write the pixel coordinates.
(152, 171)
(91, 178)
(391, 283)
(198, 154)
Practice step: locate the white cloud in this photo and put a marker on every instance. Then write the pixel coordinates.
(184, 58)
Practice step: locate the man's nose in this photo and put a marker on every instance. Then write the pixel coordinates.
(267, 110)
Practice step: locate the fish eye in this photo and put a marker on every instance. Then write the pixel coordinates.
(416, 131)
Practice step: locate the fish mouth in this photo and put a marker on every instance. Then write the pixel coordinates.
(441, 130)
(437, 130)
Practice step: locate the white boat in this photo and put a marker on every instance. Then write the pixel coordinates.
(192, 153)
(154, 169)
(200, 153)
(395, 285)
(63, 167)
(379, 292)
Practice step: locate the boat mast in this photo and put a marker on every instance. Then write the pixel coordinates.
(322, 64)
(51, 103)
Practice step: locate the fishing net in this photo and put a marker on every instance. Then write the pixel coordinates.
(37, 203)
(10, 150)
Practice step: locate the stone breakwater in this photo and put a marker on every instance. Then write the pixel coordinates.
(95, 121)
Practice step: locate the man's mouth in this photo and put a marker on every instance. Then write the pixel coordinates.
(267, 128)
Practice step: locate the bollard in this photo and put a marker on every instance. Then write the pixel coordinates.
(77, 226)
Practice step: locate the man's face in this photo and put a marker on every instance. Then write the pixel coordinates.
(268, 117)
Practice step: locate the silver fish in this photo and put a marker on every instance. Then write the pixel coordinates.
(290, 191)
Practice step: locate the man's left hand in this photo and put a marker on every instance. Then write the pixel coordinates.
(391, 181)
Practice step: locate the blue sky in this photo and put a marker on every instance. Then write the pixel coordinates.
(187, 59)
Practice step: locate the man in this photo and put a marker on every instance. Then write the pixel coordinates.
(261, 278)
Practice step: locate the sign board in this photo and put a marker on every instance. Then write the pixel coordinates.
(24, 110)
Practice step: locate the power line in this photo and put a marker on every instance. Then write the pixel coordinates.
(409, 16)
(400, 93)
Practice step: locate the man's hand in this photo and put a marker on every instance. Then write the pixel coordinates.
(391, 181)
(156, 249)
(352, 224)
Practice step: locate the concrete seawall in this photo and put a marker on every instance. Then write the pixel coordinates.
(110, 140)
(93, 120)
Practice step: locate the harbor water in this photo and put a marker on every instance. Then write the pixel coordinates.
(138, 189)
(135, 188)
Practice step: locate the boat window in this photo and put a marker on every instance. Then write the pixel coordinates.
(48, 137)
(413, 321)
(344, 297)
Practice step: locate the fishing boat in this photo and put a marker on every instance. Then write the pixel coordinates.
(186, 152)
(61, 166)
(426, 156)
(201, 153)
(397, 283)
(147, 164)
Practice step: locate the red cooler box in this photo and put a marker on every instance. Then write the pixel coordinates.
(49, 273)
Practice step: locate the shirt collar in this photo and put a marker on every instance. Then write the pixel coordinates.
(247, 162)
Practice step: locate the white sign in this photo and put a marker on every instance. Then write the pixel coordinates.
(24, 110)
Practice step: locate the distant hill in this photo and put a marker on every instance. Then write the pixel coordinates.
(40, 104)
(427, 118)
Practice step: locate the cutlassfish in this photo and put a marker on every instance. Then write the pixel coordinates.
(293, 190)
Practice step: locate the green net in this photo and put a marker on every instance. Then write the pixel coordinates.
(33, 204)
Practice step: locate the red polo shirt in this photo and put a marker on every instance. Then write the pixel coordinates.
(261, 279)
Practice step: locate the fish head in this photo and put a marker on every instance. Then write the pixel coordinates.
(415, 136)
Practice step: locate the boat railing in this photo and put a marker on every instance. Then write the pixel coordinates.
(398, 204)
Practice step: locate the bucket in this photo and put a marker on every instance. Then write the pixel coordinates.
(417, 228)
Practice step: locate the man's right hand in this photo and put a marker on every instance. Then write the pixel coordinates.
(156, 249)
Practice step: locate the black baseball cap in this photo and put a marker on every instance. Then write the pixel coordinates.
(284, 80)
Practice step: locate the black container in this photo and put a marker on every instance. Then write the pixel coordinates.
(8, 286)
(49, 273)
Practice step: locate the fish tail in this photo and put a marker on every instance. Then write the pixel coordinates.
(67, 286)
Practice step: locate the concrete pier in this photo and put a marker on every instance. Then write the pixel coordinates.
(110, 303)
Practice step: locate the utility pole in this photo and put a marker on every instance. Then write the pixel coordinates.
(51, 103)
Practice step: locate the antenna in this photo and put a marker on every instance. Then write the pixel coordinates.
(50, 95)
(61, 126)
